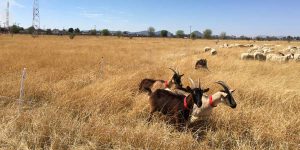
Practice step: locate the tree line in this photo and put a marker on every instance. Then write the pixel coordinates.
(151, 32)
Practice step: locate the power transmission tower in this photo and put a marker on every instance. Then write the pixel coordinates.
(36, 17)
(7, 15)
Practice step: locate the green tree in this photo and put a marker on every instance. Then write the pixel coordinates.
(31, 30)
(119, 33)
(151, 31)
(71, 30)
(93, 32)
(77, 31)
(207, 34)
(14, 29)
(48, 31)
(194, 35)
(223, 35)
(180, 33)
(164, 33)
(105, 32)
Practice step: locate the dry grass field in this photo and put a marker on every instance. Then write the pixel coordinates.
(72, 102)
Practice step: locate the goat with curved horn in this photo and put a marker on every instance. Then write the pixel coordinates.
(210, 102)
(229, 92)
(193, 85)
(173, 71)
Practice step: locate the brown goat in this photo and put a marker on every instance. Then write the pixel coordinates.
(178, 107)
(202, 63)
(151, 85)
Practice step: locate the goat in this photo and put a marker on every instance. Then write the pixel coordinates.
(150, 85)
(260, 56)
(202, 63)
(210, 102)
(213, 52)
(174, 105)
(247, 56)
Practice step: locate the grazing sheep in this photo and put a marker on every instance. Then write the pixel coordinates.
(267, 50)
(260, 56)
(297, 57)
(247, 56)
(176, 106)
(277, 58)
(213, 52)
(224, 45)
(253, 49)
(206, 49)
(150, 85)
(210, 102)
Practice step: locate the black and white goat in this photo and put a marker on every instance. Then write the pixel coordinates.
(209, 102)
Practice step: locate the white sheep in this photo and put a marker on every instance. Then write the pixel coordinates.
(277, 58)
(213, 52)
(297, 57)
(260, 56)
(206, 49)
(247, 56)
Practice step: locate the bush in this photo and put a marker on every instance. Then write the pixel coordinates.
(72, 36)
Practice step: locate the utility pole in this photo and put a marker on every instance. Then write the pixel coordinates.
(190, 31)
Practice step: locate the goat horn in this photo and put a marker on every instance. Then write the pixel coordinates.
(173, 70)
(192, 82)
(224, 85)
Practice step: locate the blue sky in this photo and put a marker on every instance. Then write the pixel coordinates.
(236, 17)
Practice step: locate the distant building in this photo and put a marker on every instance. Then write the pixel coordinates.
(56, 32)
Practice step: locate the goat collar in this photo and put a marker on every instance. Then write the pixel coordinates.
(211, 103)
(166, 84)
(185, 104)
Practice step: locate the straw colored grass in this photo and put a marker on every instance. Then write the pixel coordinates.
(71, 102)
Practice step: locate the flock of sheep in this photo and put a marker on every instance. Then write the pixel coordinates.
(265, 52)
(184, 105)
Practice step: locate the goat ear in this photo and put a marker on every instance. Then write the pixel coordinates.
(205, 90)
(224, 94)
(181, 75)
(232, 91)
(189, 88)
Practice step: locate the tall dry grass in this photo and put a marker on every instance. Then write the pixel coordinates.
(72, 103)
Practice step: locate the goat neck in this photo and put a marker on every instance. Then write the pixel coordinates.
(190, 101)
(216, 99)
